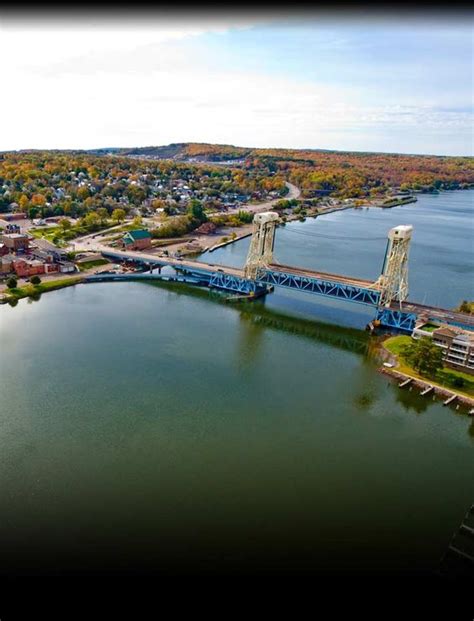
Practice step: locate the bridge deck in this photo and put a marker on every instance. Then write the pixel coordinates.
(443, 315)
(346, 280)
(172, 262)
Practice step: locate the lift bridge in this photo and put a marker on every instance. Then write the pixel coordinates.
(387, 295)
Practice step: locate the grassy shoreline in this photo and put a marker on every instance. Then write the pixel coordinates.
(443, 379)
(29, 290)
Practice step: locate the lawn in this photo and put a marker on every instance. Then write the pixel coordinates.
(87, 265)
(429, 327)
(57, 235)
(445, 377)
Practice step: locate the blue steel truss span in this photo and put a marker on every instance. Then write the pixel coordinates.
(329, 285)
(234, 283)
(333, 289)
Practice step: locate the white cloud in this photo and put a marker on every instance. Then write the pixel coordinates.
(80, 88)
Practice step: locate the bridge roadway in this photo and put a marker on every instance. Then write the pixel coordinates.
(333, 285)
(345, 280)
(442, 314)
(235, 271)
(153, 259)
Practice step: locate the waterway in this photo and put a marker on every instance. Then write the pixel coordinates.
(353, 242)
(144, 428)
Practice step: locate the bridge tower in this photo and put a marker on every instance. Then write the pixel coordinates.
(262, 242)
(393, 281)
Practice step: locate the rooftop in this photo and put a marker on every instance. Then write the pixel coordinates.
(16, 235)
(138, 234)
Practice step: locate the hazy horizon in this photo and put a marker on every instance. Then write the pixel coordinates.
(323, 81)
(238, 146)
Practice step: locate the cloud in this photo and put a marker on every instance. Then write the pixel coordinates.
(80, 88)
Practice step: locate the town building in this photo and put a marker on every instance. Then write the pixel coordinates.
(24, 268)
(6, 263)
(136, 240)
(13, 216)
(16, 241)
(457, 344)
(59, 254)
(66, 267)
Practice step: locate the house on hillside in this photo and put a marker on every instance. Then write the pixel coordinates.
(136, 240)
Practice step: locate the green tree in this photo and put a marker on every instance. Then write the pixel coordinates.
(91, 221)
(118, 215)
(12, 282)
(103, 214)
(35, 280)
(466, 307)
(195, 210)
(65, 224)
(424, 356)
(245, 216)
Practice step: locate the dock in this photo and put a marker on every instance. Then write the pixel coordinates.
(425, 388)
(450, 399)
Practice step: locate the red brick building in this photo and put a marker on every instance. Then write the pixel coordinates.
(29, 267)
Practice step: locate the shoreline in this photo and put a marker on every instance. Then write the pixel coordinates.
(12, 296)
(417, 380)
(435, 388)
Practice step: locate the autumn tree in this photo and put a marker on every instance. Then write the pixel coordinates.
(118, 215)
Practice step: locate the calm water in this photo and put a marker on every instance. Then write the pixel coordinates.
(143, 428)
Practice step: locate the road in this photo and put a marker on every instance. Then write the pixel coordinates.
(293, 192)
(346, 280)
(443, 314)
(144, 256)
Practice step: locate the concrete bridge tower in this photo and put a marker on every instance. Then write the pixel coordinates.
(393, 281)
(262, 242)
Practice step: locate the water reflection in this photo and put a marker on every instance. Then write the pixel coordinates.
(410, 399)
(364, 401)
(250, 337)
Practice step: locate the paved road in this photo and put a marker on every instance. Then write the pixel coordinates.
(293, 192)
(442, 314)
(143, 256)
(347, 280)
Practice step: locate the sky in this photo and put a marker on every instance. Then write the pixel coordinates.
(319, 81)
